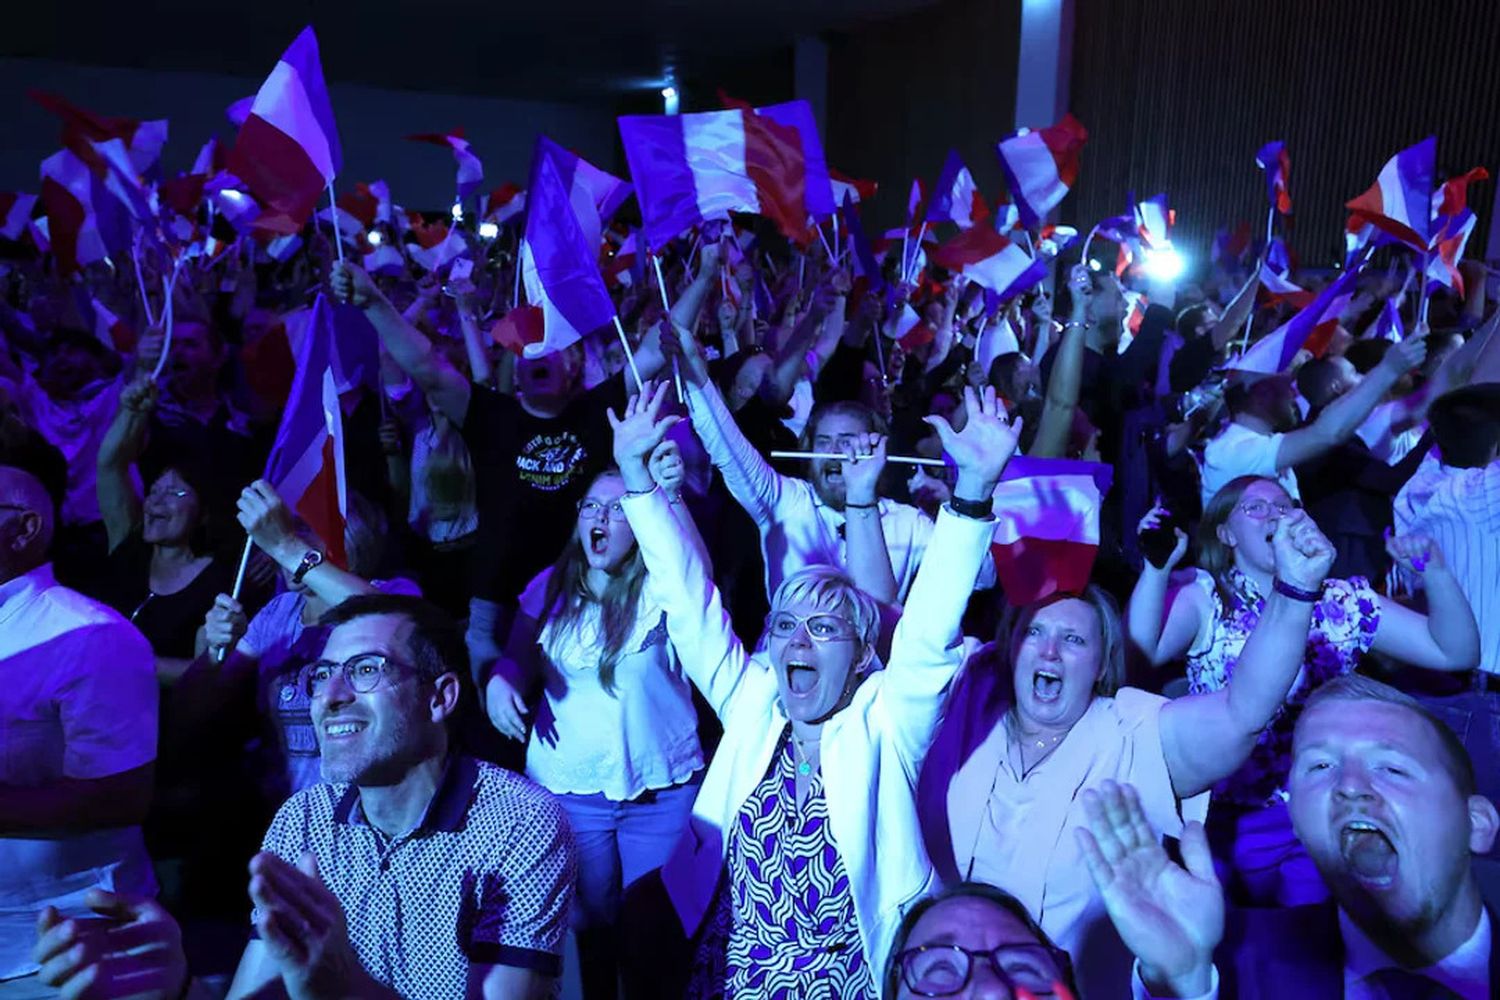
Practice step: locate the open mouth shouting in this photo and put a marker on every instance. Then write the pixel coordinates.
(598, 541)
(1368, 853)
(1046, 686)
(801, 677)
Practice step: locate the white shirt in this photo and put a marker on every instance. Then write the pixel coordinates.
(1466, 970)
(1380, 437)
(78, 699)
(1460, 509)
(1240, 451)
(586, 740)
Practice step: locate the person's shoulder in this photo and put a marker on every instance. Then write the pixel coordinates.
(313, 806)
(503, 797)
(1129, 707)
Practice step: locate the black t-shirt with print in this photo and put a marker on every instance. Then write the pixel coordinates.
(529, 473)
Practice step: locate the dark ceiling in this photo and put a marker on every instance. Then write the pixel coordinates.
(573, 50)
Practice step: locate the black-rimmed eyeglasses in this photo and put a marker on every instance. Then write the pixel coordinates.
(941, 970)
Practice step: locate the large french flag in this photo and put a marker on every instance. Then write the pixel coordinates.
(956, 197)
(15, 212)
(991, 260)
(559, 263)
(470, 170)
(1041, 166)
(692, 168)
(288, 150)
(1275, 351)
(1400, 201)
(594, 194)
(1277, 163)
(307, 461)
(1047, 526)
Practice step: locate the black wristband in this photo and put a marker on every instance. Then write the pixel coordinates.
(979, 510)
(860, 506)
(1296, 593)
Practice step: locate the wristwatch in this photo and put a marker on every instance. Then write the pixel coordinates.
(312, 558)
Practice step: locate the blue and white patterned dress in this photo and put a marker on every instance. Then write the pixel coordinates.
(783, 924)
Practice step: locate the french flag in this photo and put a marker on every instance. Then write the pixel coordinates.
(307, 461)
(518, 329)
(997, 339)
(992, 261)
(1453, 196)
(594, 194)
(691, 168)
(113, 332)
(862, 256)
(1387, 325)
(1041, 166)
(71, 195)
(907, 328)
(15, 212)
(227, 195)
(121, 181)
(1277, 163)
(506, 202)
(559, 262)
(1448, 250)
(956, 197)
(1312, 325)
(846, 188)
(470, 170)
(1275, 277)
(82, 128)
(441, 254)
(1154, 221)
(1400, 201)
(288, 150)
(1047, 526)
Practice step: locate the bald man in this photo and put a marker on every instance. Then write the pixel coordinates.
(78, 722)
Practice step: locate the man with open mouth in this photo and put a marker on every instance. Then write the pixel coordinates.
(1382, 797)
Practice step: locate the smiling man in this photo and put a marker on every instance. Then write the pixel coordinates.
(414, 870)
(1382, 796)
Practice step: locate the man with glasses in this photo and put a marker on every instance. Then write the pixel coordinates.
(414, 870)
(78, 713)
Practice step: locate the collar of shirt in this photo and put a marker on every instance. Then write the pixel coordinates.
(446, 810)
(19, 588)
(1466, 970)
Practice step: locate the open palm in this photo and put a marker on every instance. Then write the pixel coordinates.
(987, 441)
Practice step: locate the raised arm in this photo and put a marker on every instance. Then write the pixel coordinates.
(442, 383)
(1236, 313)
(1067, 374)
(119, 505)
(869, 559)
(1160, 621)
(1206, 737)
(1341, 418)
(701, 632)
(268, 522)
(791, 360)
(751, 480)
(1447, 637)
(927, 649)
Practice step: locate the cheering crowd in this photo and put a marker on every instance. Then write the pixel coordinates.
(739, 643)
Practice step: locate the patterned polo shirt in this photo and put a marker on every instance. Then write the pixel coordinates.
(485, 877)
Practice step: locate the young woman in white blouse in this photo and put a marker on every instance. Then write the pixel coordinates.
(614, 735)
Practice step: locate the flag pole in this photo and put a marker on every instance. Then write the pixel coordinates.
(629, 355)
(826, 248)
(338, 237)
(169, 286)
(1422, 302)
(239, 584)
(1250, 319)
(140, 279)
(661, 285)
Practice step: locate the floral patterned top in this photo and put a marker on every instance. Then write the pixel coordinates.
(1344, 623)
(783, 924)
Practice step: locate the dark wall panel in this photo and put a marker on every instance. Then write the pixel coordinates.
(1179, 95)
(902, 93)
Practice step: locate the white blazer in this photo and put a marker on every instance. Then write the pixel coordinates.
(872, 749)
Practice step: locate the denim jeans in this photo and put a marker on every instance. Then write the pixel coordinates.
(618, 843)
(1474, 717)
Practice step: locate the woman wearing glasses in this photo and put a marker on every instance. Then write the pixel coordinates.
(1207, 614)
(615, 732)
(804, 847)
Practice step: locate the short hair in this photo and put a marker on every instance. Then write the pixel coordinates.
(1364, 354)
(1357, 687)
(971, 890)
(1466, 425)
(24, 448)
(874, 422)
(1314, 380)
(1189, 319)
(829, 586)
(436, 643)
(1111, 633)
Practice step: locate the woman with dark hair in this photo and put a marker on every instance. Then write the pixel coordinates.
(1044, 720)
(1207, 615)
(162, 571)
(615, 734)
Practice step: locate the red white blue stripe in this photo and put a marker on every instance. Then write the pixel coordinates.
(1041, 166)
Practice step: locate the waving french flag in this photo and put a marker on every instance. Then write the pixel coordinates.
(1277, 163)
(1400, 201)
(559, 262)
(1448, 250)
(506, 202)
(82, 128)
(1313, 324)
(15, 212)
(691, 168)
(306, 464)
(80, 225)
(1154, 221)
(1041, 166)
(956, 197)
(594, 194)
(470, 170)
(850, 188)
(288, 149)
(992, 261)
(1047, 526)
(863, 254)
(1276, 276)
(1387, 325)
